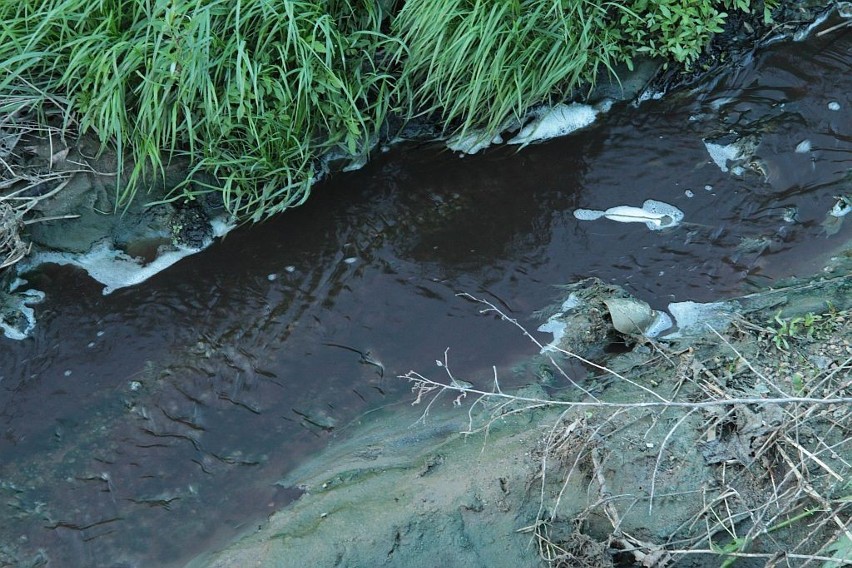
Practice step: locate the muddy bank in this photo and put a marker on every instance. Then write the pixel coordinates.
(674, 451)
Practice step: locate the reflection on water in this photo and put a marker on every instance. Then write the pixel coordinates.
(140, 427)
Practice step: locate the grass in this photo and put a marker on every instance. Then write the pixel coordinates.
(257, 92)
(254, 91)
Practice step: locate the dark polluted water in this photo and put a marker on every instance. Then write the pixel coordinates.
(143, 427)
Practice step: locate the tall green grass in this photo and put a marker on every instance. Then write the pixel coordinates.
(254, 90)
(257, 91)
(480, 63)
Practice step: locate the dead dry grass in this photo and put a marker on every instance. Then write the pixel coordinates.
(26, 115)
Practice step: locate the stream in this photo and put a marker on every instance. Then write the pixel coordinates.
(143, 427)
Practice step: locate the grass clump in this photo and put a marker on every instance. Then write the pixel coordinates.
(481, 64)
(254, 91)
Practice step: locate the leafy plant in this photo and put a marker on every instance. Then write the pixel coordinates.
(808, 327)
(254, 91)
(672, 28)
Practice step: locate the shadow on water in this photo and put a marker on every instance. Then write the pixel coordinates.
(141, 427)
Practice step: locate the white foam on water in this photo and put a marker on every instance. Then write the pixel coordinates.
(588, 214)
(673, 214)
(555, 326)
(648, 95)
(803, 147)
(834, 105)
(722, 154)
(470, 143)
(556, 121)
(657, 215)
(17, 304)
(114, 268)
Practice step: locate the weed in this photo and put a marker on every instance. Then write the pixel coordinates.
(807, 327)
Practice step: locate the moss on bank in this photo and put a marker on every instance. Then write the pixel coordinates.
(257, 92)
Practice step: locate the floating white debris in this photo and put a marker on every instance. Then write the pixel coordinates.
(350, 260)
(656, 215)
(272, 277)
(556, 121)
(834, 105)
(722, 154)
(689, 193)
(803, 147)
(842, 208)
(472, 142)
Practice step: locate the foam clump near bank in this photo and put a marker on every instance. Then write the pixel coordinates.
(115, 269)
(17, 318)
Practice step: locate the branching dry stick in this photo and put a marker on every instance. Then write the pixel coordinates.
(424, 385)
(790, 492)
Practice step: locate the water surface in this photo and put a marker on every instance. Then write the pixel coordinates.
(141, 427)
